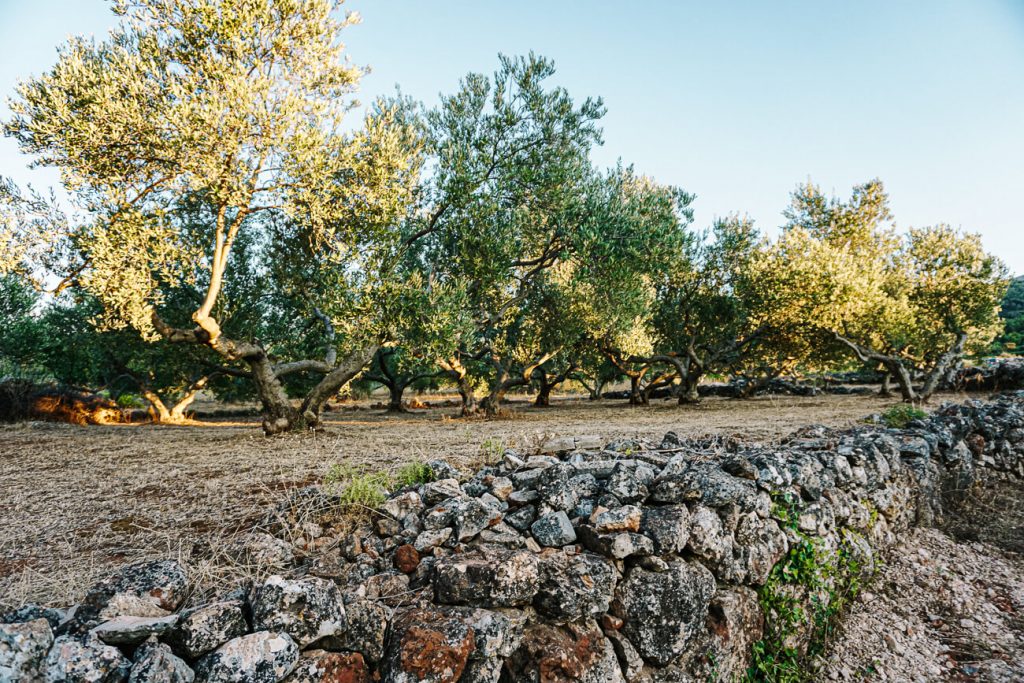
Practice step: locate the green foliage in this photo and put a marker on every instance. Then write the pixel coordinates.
(360, 488)
(413, 474)
(221, 203)
(901, 415)
(492, 450)
(357, 488)
(804, 595)
(1012, 313)
(914, 302)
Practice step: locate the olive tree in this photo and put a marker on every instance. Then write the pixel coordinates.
(912, 303)
(705, 318)
(237, 106)
(509, 159)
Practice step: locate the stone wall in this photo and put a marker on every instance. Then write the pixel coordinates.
(628, 561)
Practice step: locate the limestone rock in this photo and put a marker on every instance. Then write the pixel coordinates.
(204, 629)
(319, 666)
(307, 610)
(261, 657)
(155, 663)
(553, 530)
(616, 545)
(662, 612)
(551, 653)
(470, 517)
(625, 518)
(668, 526)
(574, 586)
(441, 490)
(142, 589)
(427, 646)
(85, 659)
(506, 579)
(133, 630)
(23, 648)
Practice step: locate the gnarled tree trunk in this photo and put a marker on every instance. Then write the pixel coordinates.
(454, 368)
(547, 384)
(885, 391)
(279, 413)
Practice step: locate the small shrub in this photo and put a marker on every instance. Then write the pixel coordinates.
(492, 450)
(357, 488)
(900, 416)
(413, 474)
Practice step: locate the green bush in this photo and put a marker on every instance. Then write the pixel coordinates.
(900, 416)
(413, 474)
(356, 487)
(804, 595)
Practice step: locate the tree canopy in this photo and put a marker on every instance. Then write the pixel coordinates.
(232, 230)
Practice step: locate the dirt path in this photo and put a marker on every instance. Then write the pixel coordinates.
(79, 500)
(948, 605)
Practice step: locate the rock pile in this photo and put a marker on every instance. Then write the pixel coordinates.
(628, 561)
(997, 374)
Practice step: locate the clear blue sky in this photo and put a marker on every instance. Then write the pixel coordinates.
(735, 101)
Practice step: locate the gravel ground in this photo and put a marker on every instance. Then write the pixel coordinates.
(947, 606)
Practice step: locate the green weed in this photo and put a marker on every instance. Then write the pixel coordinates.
(900, 416)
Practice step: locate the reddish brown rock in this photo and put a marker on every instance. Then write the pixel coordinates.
(428, 646)
(406, 559)
(319, 666)
(550, 654)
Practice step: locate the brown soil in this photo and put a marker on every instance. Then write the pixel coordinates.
(78, 501)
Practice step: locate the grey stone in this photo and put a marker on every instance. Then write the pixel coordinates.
(23, 648)
(444, 470)
(708, 538)
(142, 589)
(630, 484)
(522, 518)
(133, 630)
(85, 659)
(625, 518)
(31, 612)
(505, 579)
(431, 539)
(574, 586)
(617, 545)
(402, 504)
(307, 610)
(155, 663)
(668, 526)
(630, 661)
(366, 623)
(553, 530)
(664, 611)
(204, 629)
(470, 517)
(441, 490)
(261, 657)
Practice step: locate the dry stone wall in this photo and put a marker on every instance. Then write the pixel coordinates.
(628, 561)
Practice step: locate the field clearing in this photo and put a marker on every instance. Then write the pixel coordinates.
(78, 501)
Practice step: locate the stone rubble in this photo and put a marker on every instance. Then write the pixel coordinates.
(630, 561)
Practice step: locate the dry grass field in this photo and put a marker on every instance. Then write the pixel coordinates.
(77, 501)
